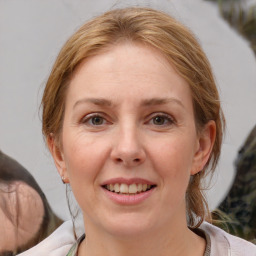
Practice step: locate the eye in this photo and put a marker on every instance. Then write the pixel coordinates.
(161, 120)
(94, 120)
(97, 120)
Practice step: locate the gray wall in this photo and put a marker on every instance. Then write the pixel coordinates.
(31, 34)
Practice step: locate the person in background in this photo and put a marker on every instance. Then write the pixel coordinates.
(25, 215)
(237, 212)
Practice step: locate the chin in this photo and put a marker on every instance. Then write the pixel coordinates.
(129, 225)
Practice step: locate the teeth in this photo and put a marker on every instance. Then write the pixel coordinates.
(128, 189)
(111, 187)
(116, 188)
(133, 189)
(124, 188)
(144, 187)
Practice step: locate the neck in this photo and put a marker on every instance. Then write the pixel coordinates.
(177, 241)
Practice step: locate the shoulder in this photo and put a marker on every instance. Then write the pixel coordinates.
(223, 243)
(57, 244)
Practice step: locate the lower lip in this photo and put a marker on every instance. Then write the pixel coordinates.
(129, 199)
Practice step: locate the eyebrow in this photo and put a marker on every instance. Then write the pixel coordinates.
(146, 102)
(161, 101)
(95, 101)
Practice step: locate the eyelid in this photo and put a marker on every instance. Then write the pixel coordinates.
(169, 117)
(89, 116)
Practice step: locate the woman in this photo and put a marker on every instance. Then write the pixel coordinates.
(25, 215)
(132, 117)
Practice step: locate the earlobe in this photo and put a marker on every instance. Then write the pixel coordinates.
(206, 141)
(58, 157)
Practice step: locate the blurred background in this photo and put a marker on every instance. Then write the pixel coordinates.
(31, 35)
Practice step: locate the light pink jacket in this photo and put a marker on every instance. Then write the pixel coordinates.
(222, 243)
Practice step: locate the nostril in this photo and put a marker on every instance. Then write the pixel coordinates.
(136, 160)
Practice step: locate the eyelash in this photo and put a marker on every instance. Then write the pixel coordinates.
(167, 119)
(88, 119)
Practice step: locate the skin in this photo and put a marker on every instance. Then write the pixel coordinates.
(145, 129)
(25, 215)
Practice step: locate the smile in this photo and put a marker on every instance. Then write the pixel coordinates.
(126, 189)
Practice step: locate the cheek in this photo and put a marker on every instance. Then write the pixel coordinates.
(174, 155)
(84, 157)
(173, 161)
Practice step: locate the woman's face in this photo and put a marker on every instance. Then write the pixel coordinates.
(129, 126)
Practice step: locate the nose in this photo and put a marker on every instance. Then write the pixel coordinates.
(128, 148)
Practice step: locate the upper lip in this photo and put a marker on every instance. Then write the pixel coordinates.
(129, 181)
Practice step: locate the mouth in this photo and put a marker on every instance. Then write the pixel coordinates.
(125, 189)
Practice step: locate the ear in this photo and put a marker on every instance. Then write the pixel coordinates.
(206, 139)
(58, 157)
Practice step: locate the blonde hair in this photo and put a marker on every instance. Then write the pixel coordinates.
(159, 30)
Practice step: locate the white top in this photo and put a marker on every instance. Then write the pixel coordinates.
(57, 244)
(222, 243)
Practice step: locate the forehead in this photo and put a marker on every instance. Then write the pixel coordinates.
(134, 69)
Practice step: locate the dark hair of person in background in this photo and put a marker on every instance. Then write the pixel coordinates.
(12, 175)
